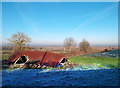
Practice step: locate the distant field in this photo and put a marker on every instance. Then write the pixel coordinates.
(59, 52)
(6, 51)
(113, 53)
(6, 54)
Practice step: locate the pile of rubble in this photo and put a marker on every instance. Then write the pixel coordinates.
(38, 66)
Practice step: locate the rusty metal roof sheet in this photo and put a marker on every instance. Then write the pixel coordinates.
(44, 58)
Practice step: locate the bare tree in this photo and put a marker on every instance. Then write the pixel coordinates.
(84, 45)
(68, 43)
(19, 41)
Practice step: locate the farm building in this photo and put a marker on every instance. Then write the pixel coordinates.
(42, 58)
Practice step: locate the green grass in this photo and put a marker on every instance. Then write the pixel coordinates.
(5, 56)
(91, 60)
(6, 51)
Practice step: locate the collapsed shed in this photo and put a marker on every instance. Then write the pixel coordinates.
(41, 57)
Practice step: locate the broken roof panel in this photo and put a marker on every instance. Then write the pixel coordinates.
(32, 55)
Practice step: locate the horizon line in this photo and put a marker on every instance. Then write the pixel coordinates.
(3, 45)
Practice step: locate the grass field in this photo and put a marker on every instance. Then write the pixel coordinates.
(6, 55)
(105, 61)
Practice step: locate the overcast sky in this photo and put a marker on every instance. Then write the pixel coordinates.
(49, 23)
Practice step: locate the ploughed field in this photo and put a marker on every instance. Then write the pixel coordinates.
(113, 53)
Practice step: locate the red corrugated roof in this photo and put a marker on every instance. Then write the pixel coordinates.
(51, 59)
(32, 55)
(47, 58)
